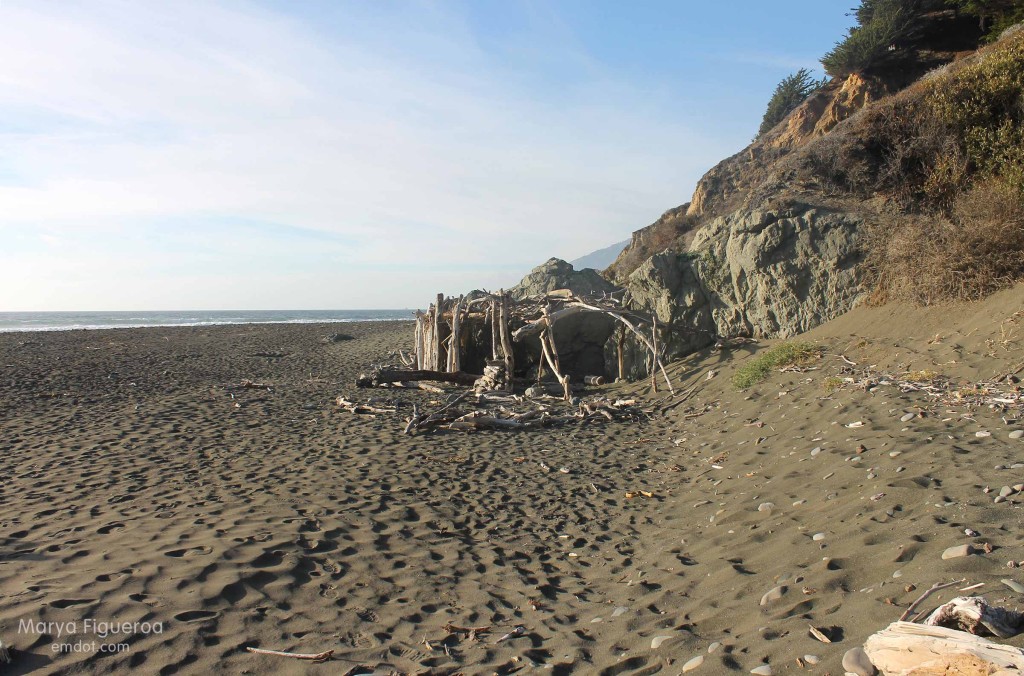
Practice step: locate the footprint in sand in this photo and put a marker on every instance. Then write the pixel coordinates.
(195, 615)
(188, 551)
(68, 603)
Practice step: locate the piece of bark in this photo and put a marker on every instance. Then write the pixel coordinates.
(908, 649)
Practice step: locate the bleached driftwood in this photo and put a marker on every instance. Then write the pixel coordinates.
(908, 649)
(972, 614)
(312, 657)
(390, 375)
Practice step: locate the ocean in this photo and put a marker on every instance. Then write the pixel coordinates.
(63, 321)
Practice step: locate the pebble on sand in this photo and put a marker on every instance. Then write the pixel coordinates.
(983, 433)
(1017, 434)
(957, 552)
(817, 537)
(856, 661)
(1005, 491)
(713, 647)
(763, 670)
(693, 663)
(1014, 585)
(907, 417)
(773, 594)
(766, 507)
(657, 641)
(811, 659)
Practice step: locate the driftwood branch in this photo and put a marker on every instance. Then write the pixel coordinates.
(312, 657)
(389, 375)
(974, 615)
(935, 587)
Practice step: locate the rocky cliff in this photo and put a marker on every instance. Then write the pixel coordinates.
(871, 169)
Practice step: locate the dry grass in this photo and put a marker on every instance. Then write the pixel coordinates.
(977, 250)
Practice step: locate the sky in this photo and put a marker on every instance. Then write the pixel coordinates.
(327, 154)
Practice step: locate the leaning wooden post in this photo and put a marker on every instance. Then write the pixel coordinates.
(418, 340)
(454, 348)
(622, 349)
(495, 332)
(654, 349)
(547, 348)
(438, 364)
(506, 342)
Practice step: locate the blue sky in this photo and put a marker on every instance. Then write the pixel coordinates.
(330, 154)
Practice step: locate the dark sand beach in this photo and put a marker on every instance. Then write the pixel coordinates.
(137, 487)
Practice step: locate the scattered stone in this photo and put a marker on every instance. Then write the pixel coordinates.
(1014, 585)
(957, 552)
(799, 502)
(713, 647)
(983, 433)
(907, 417)
(773, 594)
(1017, 465)
(693, 663)
(856, 661)
(815, 451)
(971, 533)
(817, 537)
(901, 468)
(1018, 488)
(897, 573)
(893, 454)
(999, 498)
(766, 507)
(763, 670)
(811, 659)
(1017, 434)
(1006, 491)
(657, 641)
(619, 611)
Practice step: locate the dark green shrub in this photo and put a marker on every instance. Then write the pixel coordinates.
(790, 93)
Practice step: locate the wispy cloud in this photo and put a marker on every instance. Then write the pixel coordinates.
(406, 136)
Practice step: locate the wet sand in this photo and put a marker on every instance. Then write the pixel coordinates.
(137, 487)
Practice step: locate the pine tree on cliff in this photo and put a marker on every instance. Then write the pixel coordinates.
(790, 93)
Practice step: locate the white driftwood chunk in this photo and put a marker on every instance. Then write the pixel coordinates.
(908, 649)
(972, 614)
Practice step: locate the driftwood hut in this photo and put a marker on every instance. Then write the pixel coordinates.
(557, 335)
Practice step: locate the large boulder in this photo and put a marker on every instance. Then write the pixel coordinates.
(764, 274)
(774, 274)
(580, 338)
(557, 274)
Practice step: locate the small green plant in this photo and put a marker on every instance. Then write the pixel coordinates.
(831, 384)
(784, 354)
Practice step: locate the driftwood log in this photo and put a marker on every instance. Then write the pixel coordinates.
(388, 375)
(972, 614)
(908, 649)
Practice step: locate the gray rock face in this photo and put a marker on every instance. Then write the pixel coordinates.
(776, 274)
(557, 274)
(764, 274)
